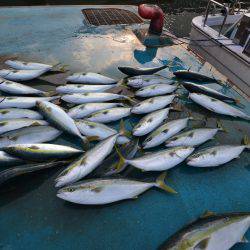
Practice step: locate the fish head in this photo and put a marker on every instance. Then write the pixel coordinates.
(69, 193)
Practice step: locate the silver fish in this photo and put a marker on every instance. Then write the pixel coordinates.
(135, 71)
(210, 232)
(98, 131)
(21, 75)
(59, 118)
(192, 137)
(164, 132)
(86, 163)
(160, 160)
(104, 191)
(156, 89)
(81, 88)
(215, 156)
(92, 97)
(8, 125)
(16, 88)
(15, 64)
(152, 104)
(90, 78)
(23, 102)
(7, 160)
(147, 80)
(42, 151)
(109, 115)
(15, 113)
(34, 134)
(149, 122)
(217, 106)
(86, 109)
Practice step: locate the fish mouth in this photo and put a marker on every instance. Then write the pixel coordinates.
(58, 183)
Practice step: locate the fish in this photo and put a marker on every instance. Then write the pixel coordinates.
(217, 106)
(16, 113)
(7, 160)
(22, 102)
(164, 132)
(152, 104)
(15, 88)
(41, 151)
(191, 75)
(149, 122)
(136, 71)
(109, 115)
(98, 131)
(92, 97)
(13, 172)
(194, 137)
(81, 88)
(34, 134)
(158, 161)
(86, 163)
(21, 65)
(105, 191)
(156, 89)
(147, 80)
(9, 125)
(210, 232)
(197, 88)
(21, 75)
(215, 156)
(84, 110)
(59, 118)
(90, 78)
(109, 165)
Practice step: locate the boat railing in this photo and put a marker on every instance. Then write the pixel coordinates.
(226, 12)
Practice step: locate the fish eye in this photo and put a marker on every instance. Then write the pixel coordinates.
(71, 189)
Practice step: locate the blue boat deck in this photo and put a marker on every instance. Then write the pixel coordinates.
(32, 217)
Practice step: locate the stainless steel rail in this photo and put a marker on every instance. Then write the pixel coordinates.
(226, 9)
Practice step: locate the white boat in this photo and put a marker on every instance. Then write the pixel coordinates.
(224, 41)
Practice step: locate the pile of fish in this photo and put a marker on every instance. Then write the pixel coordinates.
(84, 108)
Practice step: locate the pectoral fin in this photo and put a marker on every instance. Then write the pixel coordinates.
(202, 245)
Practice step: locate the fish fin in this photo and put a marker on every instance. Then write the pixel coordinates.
(207, 214)
(202, 245)
(135, 197)
(93, 138)
(122, 160)
(132, 100)
(237, 101)
(177, 108)
(220, 126)
(244, 239)
(49, 93)
(245, 140)
(84, 142)
(161, 184)
(123, 130)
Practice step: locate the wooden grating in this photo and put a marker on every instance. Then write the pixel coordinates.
(110, 16)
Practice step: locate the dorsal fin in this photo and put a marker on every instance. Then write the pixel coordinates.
(207, 214)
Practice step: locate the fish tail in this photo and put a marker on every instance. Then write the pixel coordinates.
(245, 142)
(121, 161)
(220, 126)
(160, 183)
(123, 130)
(237, 101)
(177, 108)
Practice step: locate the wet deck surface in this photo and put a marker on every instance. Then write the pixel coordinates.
(31, 215)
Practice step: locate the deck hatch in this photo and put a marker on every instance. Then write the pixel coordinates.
(110, 16)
